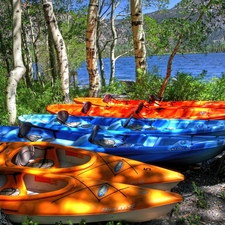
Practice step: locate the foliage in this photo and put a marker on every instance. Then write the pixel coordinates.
(73, 30)
(189, 87)
(194, 219)
(29, 221)
(156, 37)
(201, 199)
(181, 87)
(116, 87)
(149, 85)
(36, 99)
(222, 195)
(3, 107)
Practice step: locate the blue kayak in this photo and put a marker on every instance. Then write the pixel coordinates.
(62, 120)
(26, 132)
(147, 148)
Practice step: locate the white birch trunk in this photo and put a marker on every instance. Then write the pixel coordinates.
(138, 37)
(91, 48)
(59, 45)
(114, 43)
(19, 69)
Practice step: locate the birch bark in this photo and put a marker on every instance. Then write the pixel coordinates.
(19, 69)
(59, 45)
(91, 48)
(138, 38)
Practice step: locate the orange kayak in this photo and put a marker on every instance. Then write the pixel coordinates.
(58, 159)
(109, 100)
(50, 198)
(141, 111)
(88, 109)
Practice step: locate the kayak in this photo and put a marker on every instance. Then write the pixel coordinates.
(142, 111)
(27, 132)
(87, 109)
(62, 121)
(108, 100)
(50, 198)
(58, 159)
(148, 148)
(152, 101)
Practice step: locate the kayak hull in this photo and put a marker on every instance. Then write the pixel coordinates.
(127, 126)
(147, 148)
(50, 198)
(142, 111)
(110, 100)
(58, 159)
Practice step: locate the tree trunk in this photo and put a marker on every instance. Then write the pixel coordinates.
(114, 42)
(91, 48)
(36, 49)
(60, 47)
(27, 58)
(100, 57)
(52, 58)
(138, 38)
(169, 68)
(19, 69)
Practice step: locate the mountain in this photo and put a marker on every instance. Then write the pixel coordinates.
(217, 36)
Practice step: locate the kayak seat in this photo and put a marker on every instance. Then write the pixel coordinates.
(33, 137)
(42, 163)
(73, 124)
(104, 143)
(24, 155)
(62, 117)
(86, 107)
(10, 191)
(11, 184)
(136, 127)
(109, 143)
(23, 158)
(107, 98)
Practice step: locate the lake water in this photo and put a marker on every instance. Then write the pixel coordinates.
(213, 63)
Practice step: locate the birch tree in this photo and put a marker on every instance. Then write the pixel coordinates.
(91, 48)
(19, 69)
(138, 38)
(59, 45)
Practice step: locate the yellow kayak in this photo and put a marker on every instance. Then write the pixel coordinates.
(58, 159)
(53, 198)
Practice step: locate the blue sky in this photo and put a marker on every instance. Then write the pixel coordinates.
(171, 5)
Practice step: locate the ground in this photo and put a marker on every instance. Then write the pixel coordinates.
(203, 192)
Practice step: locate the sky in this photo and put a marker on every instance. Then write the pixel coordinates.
(171, 5)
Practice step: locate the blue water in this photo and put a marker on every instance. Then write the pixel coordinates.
(213, 63)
